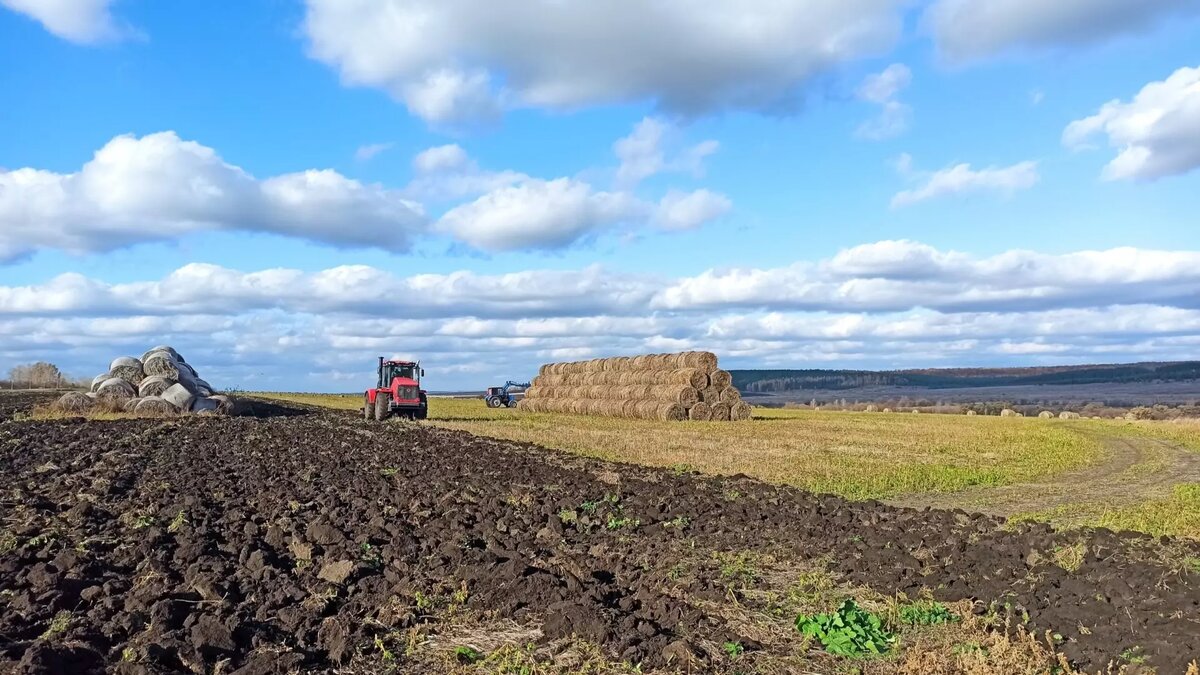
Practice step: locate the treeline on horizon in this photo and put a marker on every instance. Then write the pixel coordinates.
(773, 381)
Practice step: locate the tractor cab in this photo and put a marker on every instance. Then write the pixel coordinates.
(397, 391)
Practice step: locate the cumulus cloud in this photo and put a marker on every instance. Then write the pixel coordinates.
(962, 179)
(883, 89)
(643, 153)
(447, 172)
(452, 60)
(862, 306)
(689, 210)
(1156, 134)
(538, 214)
(971, 29)
(82, 21)
(159, 187)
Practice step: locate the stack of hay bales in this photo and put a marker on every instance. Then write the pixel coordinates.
(668, 387)
(161, 382)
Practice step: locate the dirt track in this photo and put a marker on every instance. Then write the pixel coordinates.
(1133, 470)
(279, 542)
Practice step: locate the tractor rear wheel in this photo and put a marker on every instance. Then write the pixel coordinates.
(493, 402)
(381, 407)
(368, 407)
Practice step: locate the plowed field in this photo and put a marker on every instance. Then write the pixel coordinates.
(312, 542)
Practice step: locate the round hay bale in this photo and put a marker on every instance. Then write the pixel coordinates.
(1045, 415)
(872, 408)
(641, 362)
(700, 412)
(116, 389)
(916, 411)
(720, 379)
(180, 396)
(74, 401)
(706, 361)
(1009, 412)
(131, 404)
(99, 380)
(672, 412)
(156, 406)
(720, 412)
(730, 395)
(741, 411)
(162, 363)
(887, 410)
(1068, 415)
(159, 349)
(154, 385)
(127, 368)
(710, 395)
(972, 413)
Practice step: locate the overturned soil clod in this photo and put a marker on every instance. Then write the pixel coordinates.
(303, 542)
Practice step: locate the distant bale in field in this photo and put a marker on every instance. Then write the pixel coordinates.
(73, 401)
(1068, 415)
(872, 408)
(648, 386)
(1046, 415)
(1009, 412)
(971, 413)
(916, 411)
(887, 410)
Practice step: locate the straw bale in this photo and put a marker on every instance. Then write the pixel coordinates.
(720, 412)
(740, 411)
(730, 395)
(74, 401)
(721, 379)
(700, 412)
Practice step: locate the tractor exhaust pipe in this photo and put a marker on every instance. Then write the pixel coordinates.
(379, 374)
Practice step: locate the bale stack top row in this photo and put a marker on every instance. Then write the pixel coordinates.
(668, 387)
(160, 382)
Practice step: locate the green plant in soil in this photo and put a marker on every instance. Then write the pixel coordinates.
(850, 631)
(733, 649)
(925, 613)
(466, 654)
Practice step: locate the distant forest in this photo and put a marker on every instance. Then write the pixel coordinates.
(775, 381)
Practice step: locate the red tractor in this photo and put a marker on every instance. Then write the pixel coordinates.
(398, 391)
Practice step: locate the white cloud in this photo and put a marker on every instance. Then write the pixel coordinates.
(643, 153)
(962, 179)
(453, 60)
(972, 29)
(864, 306)
(688, 211)
(82, 21)
(883, 89)
(538, 214)
(159, 187)
(367, 152)
(1156, 134)
(448, 172)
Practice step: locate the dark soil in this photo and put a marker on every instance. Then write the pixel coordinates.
(271, 544)
(22, 400)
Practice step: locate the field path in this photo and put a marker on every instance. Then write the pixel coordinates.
(1133, 470)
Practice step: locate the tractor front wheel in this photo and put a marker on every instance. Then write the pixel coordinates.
(422, 412)
(381, 407)
(368, 407)
(512, 403)
(493, 402)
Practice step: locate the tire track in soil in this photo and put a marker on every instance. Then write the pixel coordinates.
(1133, 470)
(381, 515)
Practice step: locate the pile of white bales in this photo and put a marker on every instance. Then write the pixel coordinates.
(159, 383)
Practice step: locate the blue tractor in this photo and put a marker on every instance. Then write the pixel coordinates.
(502, 397)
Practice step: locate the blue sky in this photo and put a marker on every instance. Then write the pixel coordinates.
(285, 189)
